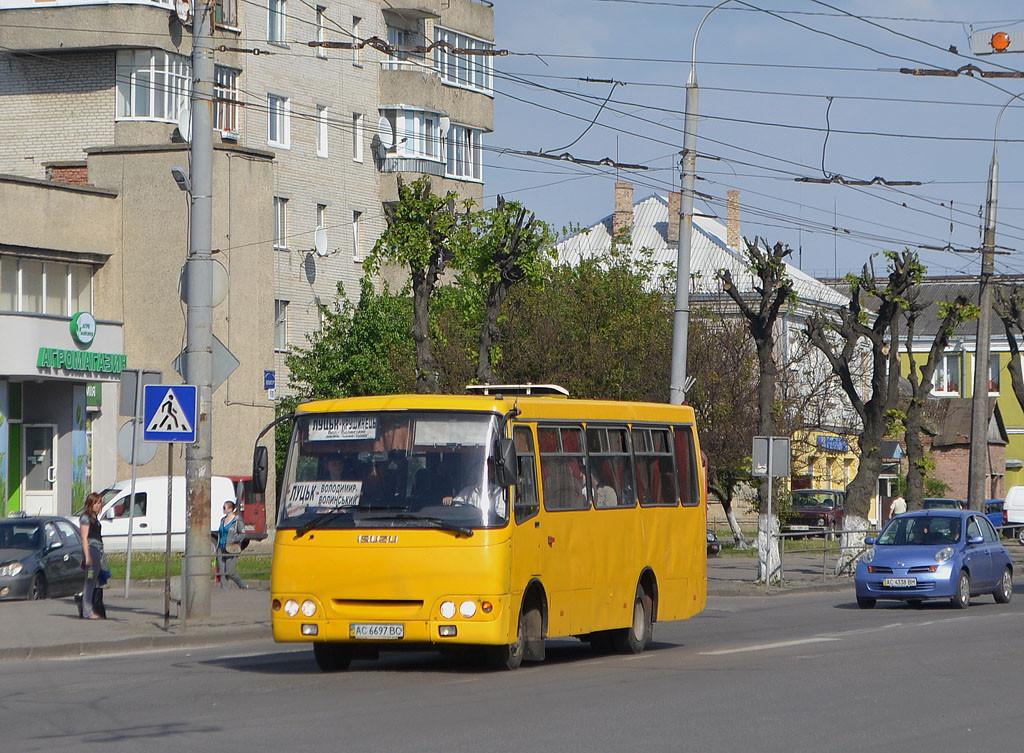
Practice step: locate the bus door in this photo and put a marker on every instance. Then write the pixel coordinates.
(528, 534)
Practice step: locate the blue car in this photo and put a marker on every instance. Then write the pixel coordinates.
(935, 554)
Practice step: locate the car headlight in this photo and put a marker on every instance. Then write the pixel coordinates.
(869, 556)
(711, 537)
(944, 555)
(11, 569)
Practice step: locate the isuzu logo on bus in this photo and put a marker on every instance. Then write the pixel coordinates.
(377, 539)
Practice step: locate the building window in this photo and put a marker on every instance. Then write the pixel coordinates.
(280, 325)
(44, 287)
(279, 125)
(418, 133)
(357, 137)
(321, 31)
(469, 71)
(321, 131)
(227, 13)
(993, 374)
(465, 154)
(277, 11)
(280, 222)
(152, 85)
(225, 92)
(321, 217)
(357, 253)
(947, 375)
(357, 54)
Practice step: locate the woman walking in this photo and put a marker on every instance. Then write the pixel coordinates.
(92, 548)
(229, 546)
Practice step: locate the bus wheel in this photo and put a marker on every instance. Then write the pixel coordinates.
(332, 657)
(509, 656)
(635, 638)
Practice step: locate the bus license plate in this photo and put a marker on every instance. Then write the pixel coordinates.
(376, 631)
(899, 582)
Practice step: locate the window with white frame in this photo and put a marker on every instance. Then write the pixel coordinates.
(279, 121)
(44, 287)
(465, 154)
(225, 92)
(277, 14)
(321, 31)
(227, 13)
(418, 133)
(357, 218)
(280, 222)
(357, 137)
(357, 54)
(993, 374)
(280, 325)
(151, 85)
(321, 216)
(470, 71)
(947, 375)
(321, 131)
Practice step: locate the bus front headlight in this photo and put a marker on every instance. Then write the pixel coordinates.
(309, 607)
(448, 609)
(467, 609)
(291, 607)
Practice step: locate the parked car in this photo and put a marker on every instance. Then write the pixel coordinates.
(816, 510)
(714, 545)
(935, 554)
(994, 512)
(1013, 513)
(40, 556)
(943, 503)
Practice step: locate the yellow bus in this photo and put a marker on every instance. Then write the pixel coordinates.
(493, 520)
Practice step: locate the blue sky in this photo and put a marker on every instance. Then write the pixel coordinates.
(765, 83)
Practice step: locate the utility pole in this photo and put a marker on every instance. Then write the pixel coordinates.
(199, 329)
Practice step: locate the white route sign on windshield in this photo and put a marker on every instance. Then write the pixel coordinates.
(304, 494)
(332, 428)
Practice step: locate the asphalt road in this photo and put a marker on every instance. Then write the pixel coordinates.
(801, 672)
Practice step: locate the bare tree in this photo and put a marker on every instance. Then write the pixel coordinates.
(841, 341)
(774, 290)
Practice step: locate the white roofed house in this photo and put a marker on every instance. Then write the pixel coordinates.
(643, 232)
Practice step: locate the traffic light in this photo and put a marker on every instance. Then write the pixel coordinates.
(993, 42)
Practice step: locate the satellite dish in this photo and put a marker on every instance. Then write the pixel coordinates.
(446, 123)
(183, 10)
(320, 242)
(386, 133)
(185, 123)
(218, 279)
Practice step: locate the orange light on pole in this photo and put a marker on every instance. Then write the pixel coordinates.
(1000, 41)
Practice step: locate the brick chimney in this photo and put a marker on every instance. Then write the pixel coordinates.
(622, 220)
(672, 232)
(75, 173)
(732, 219)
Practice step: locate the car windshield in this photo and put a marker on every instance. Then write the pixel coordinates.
(19, 536)
(392, 470)
(814, 500)
(921, 531)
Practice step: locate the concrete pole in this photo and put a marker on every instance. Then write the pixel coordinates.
(681, 315)
(199, 330)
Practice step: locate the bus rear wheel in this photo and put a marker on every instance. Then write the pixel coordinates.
(332, 657)
(635, 638)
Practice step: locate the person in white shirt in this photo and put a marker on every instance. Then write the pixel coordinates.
(490, 501)
(897, 507)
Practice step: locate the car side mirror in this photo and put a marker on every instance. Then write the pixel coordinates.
(975, 540)
(55, 544)
(507, 470)
(108, 515)
(869, 540)
(260, 462)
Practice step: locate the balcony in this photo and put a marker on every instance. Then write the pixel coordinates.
(412, 165)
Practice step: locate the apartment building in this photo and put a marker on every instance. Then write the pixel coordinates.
(320, 107)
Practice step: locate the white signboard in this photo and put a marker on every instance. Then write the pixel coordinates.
(323, 494)
(332, 428)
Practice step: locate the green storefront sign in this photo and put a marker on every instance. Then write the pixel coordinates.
(78, 360)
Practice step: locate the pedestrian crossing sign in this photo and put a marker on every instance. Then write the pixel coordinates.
(169, 413)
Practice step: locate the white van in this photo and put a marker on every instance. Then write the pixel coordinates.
(1013, 513)
(149, 525)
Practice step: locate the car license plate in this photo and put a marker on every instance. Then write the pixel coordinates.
(376, 631)
(799, 528)
(899, 582)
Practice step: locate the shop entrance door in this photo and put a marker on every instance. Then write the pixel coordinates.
(40, 468)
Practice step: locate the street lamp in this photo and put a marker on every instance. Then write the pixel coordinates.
(976, 492)
(681, 317)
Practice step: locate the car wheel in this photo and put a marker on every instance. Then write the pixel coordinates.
(962, 598)
(332, 657)
(865, 603)
(635, 638)
(1004, 592)
(1020, 535)
(37, 588)
(509, 656)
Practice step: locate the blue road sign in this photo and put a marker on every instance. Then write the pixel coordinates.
(169, 413)
(269, 380)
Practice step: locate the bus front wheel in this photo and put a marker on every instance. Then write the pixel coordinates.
(510, 656)
(635, 638)
(332, 657)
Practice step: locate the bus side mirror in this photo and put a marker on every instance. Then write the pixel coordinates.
(259, 469)
(508, 469)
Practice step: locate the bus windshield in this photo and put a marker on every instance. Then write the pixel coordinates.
(392, 469)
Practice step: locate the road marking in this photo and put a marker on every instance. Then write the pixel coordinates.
(768, 646)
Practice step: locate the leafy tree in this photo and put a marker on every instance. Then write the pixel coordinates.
(1009, 307)
(420, 236)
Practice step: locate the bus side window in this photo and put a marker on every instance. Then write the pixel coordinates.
(686, 460)
(526, 503)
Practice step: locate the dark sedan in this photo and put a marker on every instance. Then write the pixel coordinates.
(40, 556)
